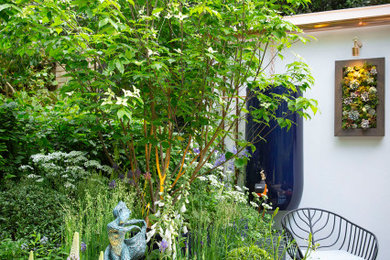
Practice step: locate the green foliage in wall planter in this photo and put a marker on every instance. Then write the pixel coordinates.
(360, 97)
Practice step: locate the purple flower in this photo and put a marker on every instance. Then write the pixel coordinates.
(130, 174)
(137, 173)
(83, 247)
(24, 246)
(196, 150)
(131, 182)
(121, 176)
(44, 240)
(115, 167)
(243, 153)
(147, 176)
(220, 160)
(231, 166)
(163, 246)
(112, 184)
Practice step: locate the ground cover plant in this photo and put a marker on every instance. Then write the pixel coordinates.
(157, 89)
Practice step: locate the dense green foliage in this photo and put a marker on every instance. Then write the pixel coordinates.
(44, 123)
(10, 249)
(43, 247)
(155, 92)
(29, 207)
(248, 253)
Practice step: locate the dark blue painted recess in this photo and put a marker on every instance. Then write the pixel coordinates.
(281, 157)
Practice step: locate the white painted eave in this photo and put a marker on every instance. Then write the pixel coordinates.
(344, 18)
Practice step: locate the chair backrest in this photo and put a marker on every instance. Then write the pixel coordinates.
(329, 231)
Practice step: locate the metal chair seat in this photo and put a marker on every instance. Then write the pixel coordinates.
(334, 236)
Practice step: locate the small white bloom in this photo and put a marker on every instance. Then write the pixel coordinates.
(150, 234)
(107, 102)
(26, 167)
(183, 208)
(209, 165)
(109, 93)
(266, 206)
(202, 178)
(121, 101)
(159, 203)
(211, 50)
(185, 230)
(181, 16)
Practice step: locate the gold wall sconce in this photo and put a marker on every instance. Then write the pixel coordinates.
(356, 47)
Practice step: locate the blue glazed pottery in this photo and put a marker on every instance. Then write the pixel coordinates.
(280, 156)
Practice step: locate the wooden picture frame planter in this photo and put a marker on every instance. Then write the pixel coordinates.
(372, 67)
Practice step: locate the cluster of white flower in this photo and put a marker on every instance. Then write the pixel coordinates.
(111, 98)
(60, 167)
(170, 221)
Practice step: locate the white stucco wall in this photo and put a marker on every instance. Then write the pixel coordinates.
(346, 175)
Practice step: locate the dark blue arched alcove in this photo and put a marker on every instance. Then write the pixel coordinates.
(280, 156)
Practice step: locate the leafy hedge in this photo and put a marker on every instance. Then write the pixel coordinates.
(28, 207)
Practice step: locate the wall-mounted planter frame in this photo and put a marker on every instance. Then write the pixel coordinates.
(379, 129)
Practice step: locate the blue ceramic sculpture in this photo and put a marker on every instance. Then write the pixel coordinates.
(121, 248)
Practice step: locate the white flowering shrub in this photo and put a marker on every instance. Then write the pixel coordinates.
(171, 222)
(62, 170)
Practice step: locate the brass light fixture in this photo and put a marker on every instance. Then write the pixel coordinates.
(356, 46)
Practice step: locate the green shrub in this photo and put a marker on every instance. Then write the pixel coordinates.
(248, 253)
(43, 247)
(28, 208)
(11, 131)
(45, 122)
(10, 249)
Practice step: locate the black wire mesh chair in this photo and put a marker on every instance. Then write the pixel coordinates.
(329, 231)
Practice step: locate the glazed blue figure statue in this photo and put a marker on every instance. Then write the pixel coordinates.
(121, 248)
